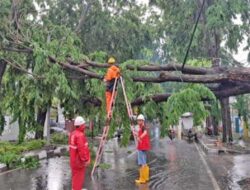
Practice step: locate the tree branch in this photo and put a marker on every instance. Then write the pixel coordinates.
(156, 98)
(222, 93)
(3, 64)
(95, 64)
(172, 67)
(76, 68)
(168, 77)
(83, 16)
(232, 91)
(18, 50)
(91, 100)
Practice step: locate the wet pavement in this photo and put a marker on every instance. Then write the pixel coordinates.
(231, 171)
(174, 165)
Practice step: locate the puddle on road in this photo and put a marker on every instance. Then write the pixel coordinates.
(240, 172)
(54, 174)
(245, 184)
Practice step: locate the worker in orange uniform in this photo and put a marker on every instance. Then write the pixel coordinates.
(143, 146)
(113, 72)
(79, 153)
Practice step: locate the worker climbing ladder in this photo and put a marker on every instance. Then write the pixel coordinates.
(108, 121)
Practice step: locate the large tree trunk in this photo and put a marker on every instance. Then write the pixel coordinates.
(208, 122)
(215, 126)
(2, 69)
(245, 128)
(229, 123)
(226, 120)
(41, 117)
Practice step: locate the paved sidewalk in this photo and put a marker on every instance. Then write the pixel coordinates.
(213, 145)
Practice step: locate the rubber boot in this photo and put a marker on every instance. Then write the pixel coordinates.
(146, 172)
(142, 176)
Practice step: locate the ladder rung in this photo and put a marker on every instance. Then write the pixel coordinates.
(108, 120)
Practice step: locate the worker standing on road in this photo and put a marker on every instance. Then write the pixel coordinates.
(143, 146)
(79, 153)
(113, 72)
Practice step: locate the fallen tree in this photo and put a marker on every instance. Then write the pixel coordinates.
(225, 81)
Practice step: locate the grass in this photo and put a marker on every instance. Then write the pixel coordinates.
(20, 148)
(105, 166)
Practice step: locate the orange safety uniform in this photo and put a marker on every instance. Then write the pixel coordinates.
(79, 156)
(113, 72)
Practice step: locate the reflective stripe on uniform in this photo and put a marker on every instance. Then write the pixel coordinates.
(72, 146)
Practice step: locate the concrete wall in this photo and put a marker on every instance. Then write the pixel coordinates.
(11, 130)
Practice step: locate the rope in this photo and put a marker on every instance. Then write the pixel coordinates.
(192, 36)
(178, 73)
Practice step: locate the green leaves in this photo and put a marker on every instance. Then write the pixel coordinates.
(200, 63)
(241, 105)
(188, 99)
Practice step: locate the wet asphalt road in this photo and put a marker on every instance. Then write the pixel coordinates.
(231, 172)
(174, 166)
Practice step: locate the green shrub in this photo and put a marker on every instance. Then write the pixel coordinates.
(59, 138)
(9, 158)
(29, 162)
(12, 147)
(89, 133)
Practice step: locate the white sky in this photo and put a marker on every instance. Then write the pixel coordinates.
(241, 56)
(143, 1)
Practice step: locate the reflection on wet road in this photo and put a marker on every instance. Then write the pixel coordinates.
(231, 172)
(53, 174)
(174, 166)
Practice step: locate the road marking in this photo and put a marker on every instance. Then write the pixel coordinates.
(209, 172)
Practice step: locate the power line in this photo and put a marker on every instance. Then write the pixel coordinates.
(192, 36)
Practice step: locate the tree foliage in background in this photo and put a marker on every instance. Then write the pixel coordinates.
(221, 21)
(242, 106)
(189, 99)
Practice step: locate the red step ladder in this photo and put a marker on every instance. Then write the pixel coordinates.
(108, 120)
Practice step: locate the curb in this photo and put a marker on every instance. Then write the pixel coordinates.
(3, 167)
(208, 150)
(40, 155)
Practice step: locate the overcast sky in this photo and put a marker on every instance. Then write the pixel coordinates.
(143, 1)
